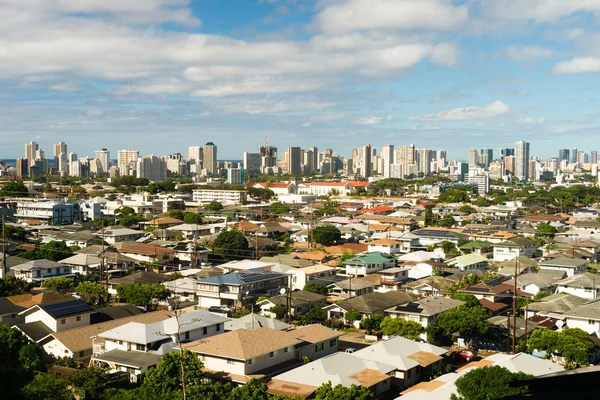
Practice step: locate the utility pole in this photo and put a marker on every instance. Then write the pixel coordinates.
(102, 256)
(515, 306)
(4, 246)
(289, 300)
(256, 240)
(507, 332)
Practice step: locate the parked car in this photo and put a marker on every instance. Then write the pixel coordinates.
(464, 354)
(350, 350)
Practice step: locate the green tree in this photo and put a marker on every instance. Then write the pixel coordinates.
(53, 251)
(214, 206)
(278, 208)
(372, 323)
(254, 390)
(315, 287)
(455, 195)
(61, 284)
(428, 216)
(326, 235)
(192, 218)
(93, 292)
(489, 383)
(143, 294)
(231, 243)
(353, 316)
(541, 295)
(316, 315)
(176, 214)
(14, 189)
(448, 247)
(15, 233)
(341, 392)
(401, 327)
(467, 209)
(92, 380)
(18, 360)
(10, 286)
(166, 377)
(546, 230)
(469, 299)
(470, 322)
(279, 311)
(46, 386)
(447, 221)
(574, 344)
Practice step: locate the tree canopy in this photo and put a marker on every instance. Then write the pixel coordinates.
(471, 322)
(10, 286)
(326, 235)
(231, 243)
(315, 287)
(166, 377)
(574, 344)
(192, 218)
(20, 360)
(93, 292)
(401, 327)
(13, 188)
(214, 206)
(489, 383)
(143, 294)
(341, 392)
(61, 284)
(53, 251)
(278, 208)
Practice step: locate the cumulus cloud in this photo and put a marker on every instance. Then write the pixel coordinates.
(358, 15)
(537, 10)
(494, 109)
(578, 66)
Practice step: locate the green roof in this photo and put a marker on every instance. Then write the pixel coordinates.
(477, 244)
(369, 258)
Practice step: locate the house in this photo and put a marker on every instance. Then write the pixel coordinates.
(138, 278)
(319, 273)
(522, 264)
(277, 187)
(238, 288)
(40, 270)
(424, 311)
(353, 287)
(585, 285)
(339, 369)
(163, 222)
(135, 347)
(388, 246)
(328, 188)
(585, 316)
(12, 306)
(77, 343)
(244, 265)
(191, 231)
(556, 305)
(571, 266)
(369, 263)
(493, 291)
(368, 304)
(255, 321)
(469, 262)
(476, 246)
(83, 264)
(429, 236)
(431, 286)
(301, 302)
(503, 329)
(512, 248)
(413, 361)
(149, 253)
(393, 278)
(43, 319)
(119, 234)
(243, 354)
(535, 283)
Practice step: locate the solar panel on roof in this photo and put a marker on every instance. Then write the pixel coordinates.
(66, 308)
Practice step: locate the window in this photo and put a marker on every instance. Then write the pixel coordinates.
(13, 316)
(230, 361)
(591, 321)
(81, 353)
(63, 321)
(408, 373)
(49, 270)
(286, 349)
(218, 327)
(249, 362)
(186, 336)
(78, 318)
(319, 347)
(332, 342)
(272, 354)
(120, 342)
(66, 269)
(205, 330)
(140, 347)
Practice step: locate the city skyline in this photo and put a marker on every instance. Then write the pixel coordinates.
(460, 74)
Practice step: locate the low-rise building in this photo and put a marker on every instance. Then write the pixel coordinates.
(424, 311)
(469, 262)
(368, 304)
(223, 196)
(40, 270)
(369, 263)
(513, 248)
(54, 213)
(585, 285)
(302, 302)
(393, 278)
(570, 266)
(388, 246)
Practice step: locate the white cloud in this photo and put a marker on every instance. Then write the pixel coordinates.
(425, 128)
(358, 15)
(369, 120)
(527, 53)
(531, 121)
(578, 66)
(494, 109)
(537, 10)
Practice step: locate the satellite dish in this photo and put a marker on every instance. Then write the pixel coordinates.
(282, 291)
(559, 323)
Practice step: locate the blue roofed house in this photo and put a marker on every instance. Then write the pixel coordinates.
(237, 288)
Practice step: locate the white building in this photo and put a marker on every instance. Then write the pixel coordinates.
(222, 196)
(55, 213)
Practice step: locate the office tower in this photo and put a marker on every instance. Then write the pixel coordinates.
(581, 157)
(481, 181)
(505, 152)
(397, 171)
(594, 157)
(441, 158)
(103, 155)
(366, 166)
(75, 168)
(268, 156)
(124, 157)
(497, 169)
(522, 160)
(388, 158)
(175, 164)
(563, 154)
(235, 176)
(423, 160)
(22, 167)
(195, 153)
(405, 155)
(462, 169)
(509, 164)
(574, 155)
(252, 162)
(31, 149)
(152, 168)
(315, 158)
(486, 157)
(210, 157)
(473, 158)
(294, 160)
(59, 148)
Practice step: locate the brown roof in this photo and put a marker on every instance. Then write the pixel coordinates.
(425, 358)
(317, 255)
(290, 389)
(78, 339)
(315, 333)
(165, 221)
(493, 306)
(369, 377)
(384, 242)
(547, 217)
(347, 248)
(477, 364)
(146, 249)
(28, 300)
(427, 386)
(243, 344)
(33, 222)
(247, 226)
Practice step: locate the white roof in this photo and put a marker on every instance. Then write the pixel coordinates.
(246, 264)
(37, 264)
(83, 259)
(522, 362)
(419, 256)
(136, 332)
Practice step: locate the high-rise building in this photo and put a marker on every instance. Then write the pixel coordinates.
(486, 157)
(152, 168)
(103, 155)
(563, 154)
(522, 160)
(509, 164)
(405, 155)
(235, 176)
(294, 160)
(481, 181)
(22, 167)
(268, 156)
(252, 162)
(423, 160)
(366, 166)
(210, 157)
(314, 158)
(31, 150)
(594, 157)
(505, 152)
(441, 158)
(473, 158)
(574, 155)
(59, 148)
(195, 153)
(388, 158)
(124, 157)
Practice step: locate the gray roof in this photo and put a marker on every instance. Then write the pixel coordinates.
(589, 310)
(8, 307)
(288, 259)
(139, 277)
(374, 303)
(516, 242)
(427, 306)
(299, 297)
(564, 262)
(37, 264)
(35, 330)
(540, 280)
(521, 325)
(134, 359)
(12, 261)
(559, 303)
(246, 322)
(585, 280)
(242, 277)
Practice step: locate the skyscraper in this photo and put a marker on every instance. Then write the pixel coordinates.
(473, 158)
(441, 158)
(31, 150)
(581, 156)
(195, 153)
(563, 154)
(594, 157)
(574, 155)
(366, 167)
(103, 155)
(124, 157)
(59, 148)
(388, 157)
(210, 157)
(294, 164)
(151, 168)
(423, 160)
(522, 160)
(252, 162)
(487, 156)
(405, 156)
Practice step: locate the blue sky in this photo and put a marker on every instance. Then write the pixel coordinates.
(160, 75)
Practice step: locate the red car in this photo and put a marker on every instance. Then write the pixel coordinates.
(465, 354)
